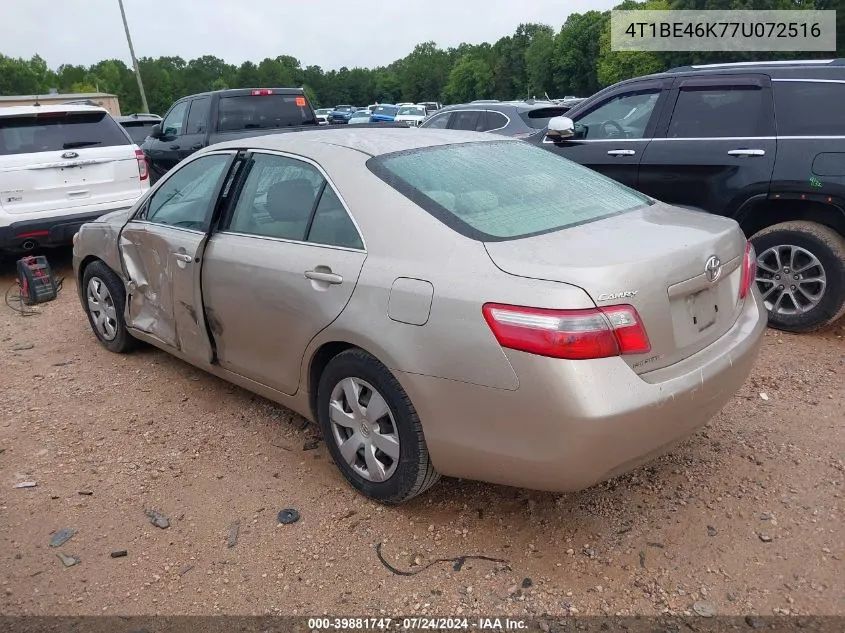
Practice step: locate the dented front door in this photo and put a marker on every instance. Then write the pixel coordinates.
(162, 249)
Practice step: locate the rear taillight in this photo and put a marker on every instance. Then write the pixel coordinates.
(571, 334)
(749, 271)
(143, 169)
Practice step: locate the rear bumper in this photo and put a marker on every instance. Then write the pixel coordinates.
(51, 230)
(572, 424)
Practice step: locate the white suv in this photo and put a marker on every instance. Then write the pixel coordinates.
(62, 166)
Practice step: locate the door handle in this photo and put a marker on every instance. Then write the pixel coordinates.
(621, 152)
(329, 278)
(174, 147)
(183, 257)
(747, 152)
(196, 146)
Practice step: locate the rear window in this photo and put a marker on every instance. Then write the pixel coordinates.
(139, 130)
(809, 108)
(248, 112)
(386, 110)
(539, 118)
(52, 131)
(493, 191)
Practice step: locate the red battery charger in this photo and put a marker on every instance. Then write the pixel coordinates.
(36, 281)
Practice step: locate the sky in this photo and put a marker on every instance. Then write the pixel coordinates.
(327, 33)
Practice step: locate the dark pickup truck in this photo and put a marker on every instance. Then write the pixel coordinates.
(199, 120)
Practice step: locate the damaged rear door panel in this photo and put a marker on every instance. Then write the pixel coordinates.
(161, 250)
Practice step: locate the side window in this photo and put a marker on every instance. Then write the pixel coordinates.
(277, 198)
(198, 116)
(185, 199)
(332, 225)
(438, 122)
(174, 122)
(809, 108)
(714, 112)
(466, 120)
(495, 121)
(623, 116)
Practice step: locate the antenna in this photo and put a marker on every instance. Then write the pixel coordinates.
(36, 104)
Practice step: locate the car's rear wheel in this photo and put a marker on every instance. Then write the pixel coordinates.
(372, 430)
(801, 274)
(105, 299)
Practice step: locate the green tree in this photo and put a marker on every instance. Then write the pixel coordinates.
(470, 79)
(615, 66)
(576, 53)
(539, 67)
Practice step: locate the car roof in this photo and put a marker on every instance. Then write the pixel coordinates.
(792, 68)
(23, 110)
(140, 116)
(371, 141)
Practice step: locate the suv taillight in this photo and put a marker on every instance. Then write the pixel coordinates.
(143, 168)
(570, 334)
(749, 271)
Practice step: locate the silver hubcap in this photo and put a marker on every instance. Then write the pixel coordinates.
(364, 429)
(791, 279)
(101, 307)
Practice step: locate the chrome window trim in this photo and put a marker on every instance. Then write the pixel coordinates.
(786, 62)
(601, 140)
(285, 240)
(329, 183)
(485, 110)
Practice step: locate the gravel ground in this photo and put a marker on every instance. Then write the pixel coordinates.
(746, 517)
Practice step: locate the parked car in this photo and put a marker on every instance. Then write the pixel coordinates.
(412, 114)
(341, 114)
(384, 112)
(201, 120)
(359, 117)
(60, 166)
(431, 106)
(419, 297)
(509, 118)
(322, 115)
(139, 125)
(757, 142)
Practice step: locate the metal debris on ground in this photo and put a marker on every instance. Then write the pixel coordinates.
(158, 519)
(86, 493)
(288, 516)
(119, 553)
(233, 534)
(457, 563)
(61, 537)
(26, 484)
(67, 561)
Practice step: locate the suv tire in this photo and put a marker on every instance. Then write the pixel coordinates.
(819, 253)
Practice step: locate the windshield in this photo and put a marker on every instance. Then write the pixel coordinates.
(387, 110)
(56, 131)
(361, 114)
(322, 111)
(494, 191)
(248, 112)
(343, 108)
(415, 110)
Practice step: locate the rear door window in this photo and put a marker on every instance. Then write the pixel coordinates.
(58, 131)
(472, 120)
(807, 108)
(263, 111)
(717, 112)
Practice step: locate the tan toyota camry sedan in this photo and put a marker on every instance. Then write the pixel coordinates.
(439, 302)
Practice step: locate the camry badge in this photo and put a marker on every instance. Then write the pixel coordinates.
(713, 269)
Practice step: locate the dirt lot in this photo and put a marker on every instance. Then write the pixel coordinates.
(745, 517)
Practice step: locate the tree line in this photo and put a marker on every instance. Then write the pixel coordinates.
(536, 60)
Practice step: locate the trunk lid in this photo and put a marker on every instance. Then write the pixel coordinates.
(56, 161)
(652, 258)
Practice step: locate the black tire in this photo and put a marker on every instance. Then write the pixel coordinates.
(414, 473)
(122, 341)
(828, 247)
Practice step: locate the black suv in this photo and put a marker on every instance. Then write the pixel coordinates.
(510, 118)
(763, 143)
(139, 125)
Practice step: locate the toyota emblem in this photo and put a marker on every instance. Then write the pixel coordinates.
(713, 268)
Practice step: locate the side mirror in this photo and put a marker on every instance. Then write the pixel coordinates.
(155, 132)
(560, 127)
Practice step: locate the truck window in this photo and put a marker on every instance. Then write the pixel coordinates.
(263, 111)
(198, 116)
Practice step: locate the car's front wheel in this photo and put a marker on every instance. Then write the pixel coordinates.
(801, 274)
(372, 430)
(105, 299)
